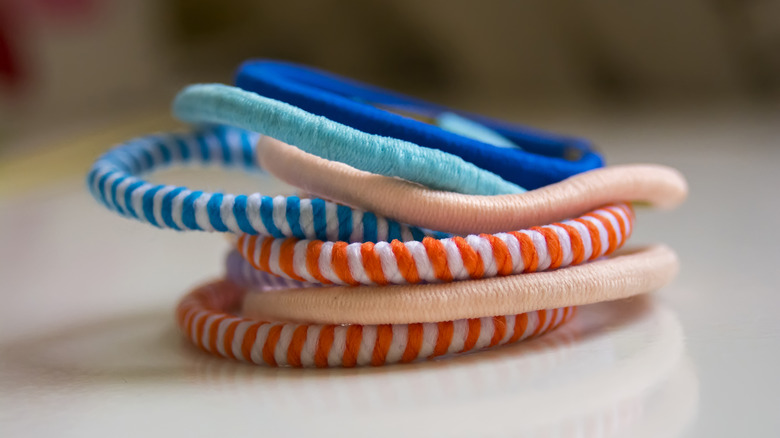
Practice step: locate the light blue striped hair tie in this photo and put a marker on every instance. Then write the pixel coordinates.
(318, 135)
(113, 181)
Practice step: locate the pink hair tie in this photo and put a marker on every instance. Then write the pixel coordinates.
(457, 213)
(558, 245)
(619, 276)
(205, 317)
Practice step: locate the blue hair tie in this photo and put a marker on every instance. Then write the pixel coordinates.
(223, 104)
(539, 159)
(113, 181)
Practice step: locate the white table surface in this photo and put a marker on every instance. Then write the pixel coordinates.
(88, 346)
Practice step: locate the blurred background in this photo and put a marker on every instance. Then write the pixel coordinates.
(86, 334)
(69, 66)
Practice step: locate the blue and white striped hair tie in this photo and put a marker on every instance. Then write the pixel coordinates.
(114, 181)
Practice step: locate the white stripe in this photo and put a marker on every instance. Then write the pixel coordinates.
(194, 327)
(454, 260)
(618, 211)
(486, 330)
(233, 141)
(513, 246)
(280, 353)
(540, 244)
(381, 229)
(533, 322)
(154, 150)
(280, 215)
(510, 327)
(326, 252)
(273, 260)
(367, 344)
(355, 264)
(336, 352)
(201, 212)
(107, 188)
(587, 247)
(406, 234)
(612, 220)
(398, 344)
(389, 263)
(310, 345)
(207, 331)
(257, 348)
(157, 204)
(137, 200)
(238, 339)
(459, 330)
(221, 334)
(191, 143)
(357, 226)
(177, 207)
(565, 241)
(420, 255)
(430, 335)
(120, 191)
(622, 214)
(485, 250)
(299, 260)
(124, 157)
(332, 224)
(214, 148)
(603, 237)
(306, 219)
(226, 213)
(253, 203)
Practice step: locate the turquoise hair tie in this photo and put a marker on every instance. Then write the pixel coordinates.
(114, 181)
(318, 135)
(532, 159)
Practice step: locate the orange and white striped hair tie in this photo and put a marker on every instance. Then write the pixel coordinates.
(204, 317)
(457, 213)
(595, 234)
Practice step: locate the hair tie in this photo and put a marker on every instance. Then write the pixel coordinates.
(558, 245)
(114, 182)
(464, 214)
(216, 103)
(616, 277)
(542, 158)
(205, 317)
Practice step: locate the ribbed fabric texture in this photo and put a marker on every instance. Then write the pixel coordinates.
(660, 186)
(544, 158)
(619, 276)
(389, 156)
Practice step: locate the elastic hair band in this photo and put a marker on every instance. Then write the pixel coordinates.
(544, 158)
(216, 103)
(558, 245)
(463, 214)
(616, 277)
(204, 317)
(114, 182)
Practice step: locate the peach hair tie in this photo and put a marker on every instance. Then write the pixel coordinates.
(457, 213)
(617, 277)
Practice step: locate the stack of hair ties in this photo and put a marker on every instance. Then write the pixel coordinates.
(420, 231)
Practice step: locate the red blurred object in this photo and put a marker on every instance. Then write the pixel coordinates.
(13, 16)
